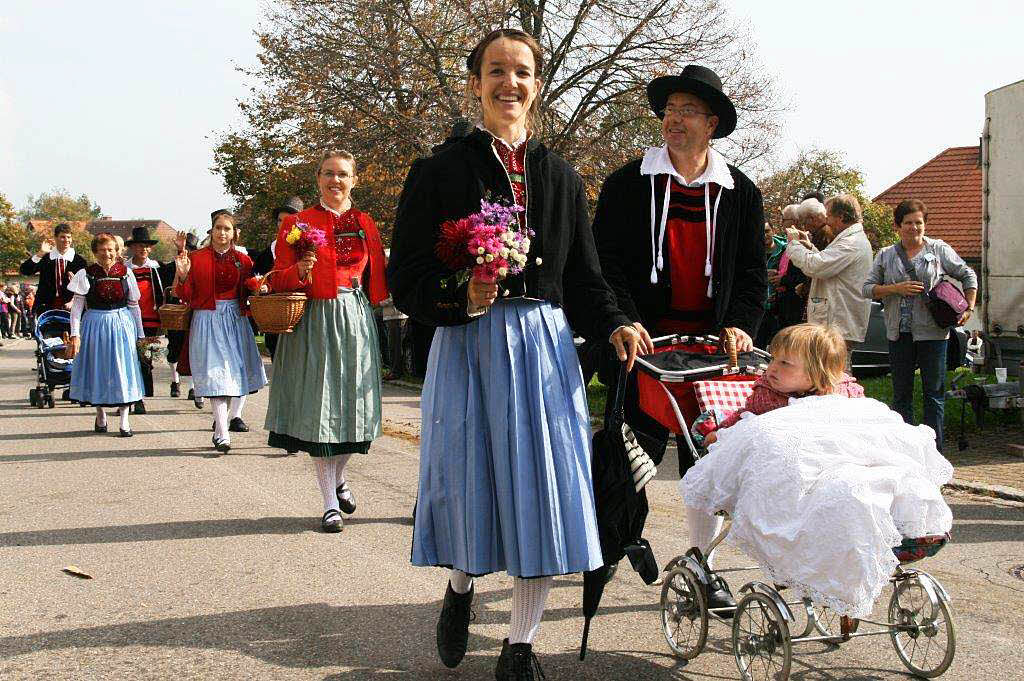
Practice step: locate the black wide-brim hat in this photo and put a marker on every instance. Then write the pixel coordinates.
(291, 206)
(140, 235)
(702, 82)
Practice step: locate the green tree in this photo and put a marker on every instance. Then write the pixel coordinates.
(60, 206)
(13, 238)
(827, 171)
(384, 79)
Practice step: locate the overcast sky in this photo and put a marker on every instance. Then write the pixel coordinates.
(122, 100)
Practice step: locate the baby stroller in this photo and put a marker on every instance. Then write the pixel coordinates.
(687, 378)
(52, 370)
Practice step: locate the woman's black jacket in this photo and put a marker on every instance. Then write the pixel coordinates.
(449, 185)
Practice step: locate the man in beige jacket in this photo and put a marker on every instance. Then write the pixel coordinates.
(838, 272)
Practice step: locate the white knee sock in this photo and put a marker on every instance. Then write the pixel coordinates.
(123, 413)
(326, 478)
(101, 417)
(703, 528)
(461, 582)
(175, 378)
(236, 406)
(528, 597)
(340, 462)
(219, 405)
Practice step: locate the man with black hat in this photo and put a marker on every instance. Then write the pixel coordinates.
(55, 263)
(263, 261)
(153, 278)
(680, 238)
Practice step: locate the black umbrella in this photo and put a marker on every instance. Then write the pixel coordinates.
(621, 510)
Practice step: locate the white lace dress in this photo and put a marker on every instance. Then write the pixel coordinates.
(821, 490)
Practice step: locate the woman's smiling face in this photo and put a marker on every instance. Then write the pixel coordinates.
(508, 82)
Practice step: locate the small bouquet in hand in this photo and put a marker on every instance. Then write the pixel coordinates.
(304, 238)
(489, 245)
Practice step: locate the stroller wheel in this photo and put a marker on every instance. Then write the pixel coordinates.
(40, 400)
(684, 614)
(760, 640)
(33, 396)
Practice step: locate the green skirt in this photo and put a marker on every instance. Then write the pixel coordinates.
(325, 391)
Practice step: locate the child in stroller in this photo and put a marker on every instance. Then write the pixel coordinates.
(52, 369)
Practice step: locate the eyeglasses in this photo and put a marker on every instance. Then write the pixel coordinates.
(684, 111)
(331, 175)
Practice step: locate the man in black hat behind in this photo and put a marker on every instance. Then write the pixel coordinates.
(153, 279)
(263, 261)
(680, 238)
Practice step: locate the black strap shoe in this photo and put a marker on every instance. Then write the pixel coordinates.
(237, 425)
(346, 500)
(175, 390)
(331, 521)
(453, 626)
(517, 663)
(126, 433)
(98, 428)
(222, 446)
(719, 596)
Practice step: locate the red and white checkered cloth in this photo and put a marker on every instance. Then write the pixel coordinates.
(723, 395)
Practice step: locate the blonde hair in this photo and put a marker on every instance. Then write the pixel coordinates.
(822, 350)
(328, 154)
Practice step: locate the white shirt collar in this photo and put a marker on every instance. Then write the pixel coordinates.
(67, 255)
(525, 136)
(658, 162)
(332, 211)
(149, 262)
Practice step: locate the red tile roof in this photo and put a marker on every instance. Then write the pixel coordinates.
(45, 227)
(950, 186)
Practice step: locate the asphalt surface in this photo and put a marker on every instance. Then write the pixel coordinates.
(213, 568)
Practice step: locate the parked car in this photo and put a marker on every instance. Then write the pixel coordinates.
(871, 358)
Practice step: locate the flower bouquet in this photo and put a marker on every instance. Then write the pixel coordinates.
(305, 239)
(490, 244)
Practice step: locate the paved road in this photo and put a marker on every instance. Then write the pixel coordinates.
(213, 568)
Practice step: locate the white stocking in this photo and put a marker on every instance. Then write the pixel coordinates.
(219, 405)
(703, 528)
(325, 477)
(340, 462)
(460, 581)
(236, 406)
(175, 378)
(528, 597)
(123, 413)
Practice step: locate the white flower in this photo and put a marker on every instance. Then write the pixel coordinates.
(538, 261)
(479, 261)
(514, 253)
(480, 250)
(502, 271)
(526, 244)
(489, 258)
(503, 253)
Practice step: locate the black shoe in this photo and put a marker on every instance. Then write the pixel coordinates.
(66, 395)
(719, 596)
(139, 407)
(517, 663)
(290, 452)
(237, 425)
(331, 521)
(126, 433)
(346, 499)
(175, 390)
(198, 401)
(222, 446)
(453, 626)
(98, 428)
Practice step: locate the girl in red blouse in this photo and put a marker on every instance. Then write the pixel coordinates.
(225, 362)
(325, 398)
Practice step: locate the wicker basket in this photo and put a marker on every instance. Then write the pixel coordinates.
(174, 316)
(276, 312)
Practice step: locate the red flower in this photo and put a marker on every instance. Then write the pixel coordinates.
(451, 244)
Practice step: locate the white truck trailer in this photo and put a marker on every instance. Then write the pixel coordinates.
(1002, 260)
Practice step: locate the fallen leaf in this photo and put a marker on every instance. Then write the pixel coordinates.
(76, 571)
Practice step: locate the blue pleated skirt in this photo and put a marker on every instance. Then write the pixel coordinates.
(505, 481)
(106, 371)
(223, 354)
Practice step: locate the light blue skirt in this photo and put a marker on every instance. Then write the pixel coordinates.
(223, 354)
(505, 481)
(106, 371)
